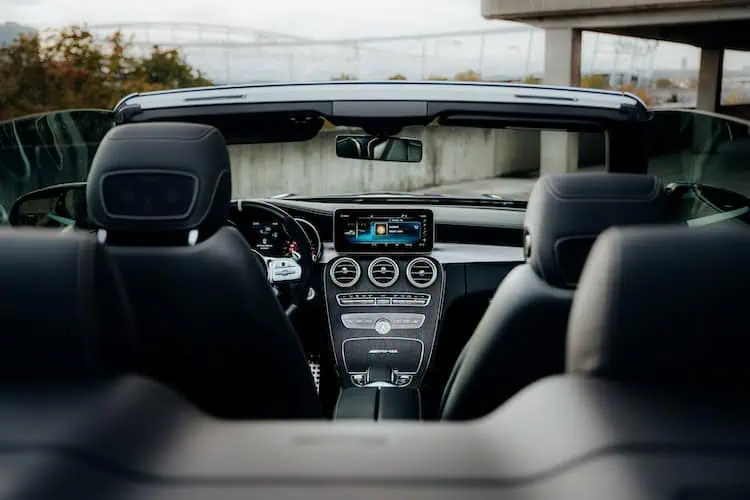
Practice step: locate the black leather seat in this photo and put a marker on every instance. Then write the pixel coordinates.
(63, 310)
(664, 307)
(211, 326)
(521, 337)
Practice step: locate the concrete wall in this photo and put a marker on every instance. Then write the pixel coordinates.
(451, 155)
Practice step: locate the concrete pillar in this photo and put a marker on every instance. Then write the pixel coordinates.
(562, 66)
(710, 78)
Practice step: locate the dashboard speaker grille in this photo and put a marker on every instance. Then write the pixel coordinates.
(345, 272)
(383, 272)
(421, 272)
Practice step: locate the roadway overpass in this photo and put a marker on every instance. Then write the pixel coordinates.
(711, 25)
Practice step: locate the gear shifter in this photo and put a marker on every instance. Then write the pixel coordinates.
(379, 375)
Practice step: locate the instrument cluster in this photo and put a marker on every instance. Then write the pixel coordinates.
(269, 236)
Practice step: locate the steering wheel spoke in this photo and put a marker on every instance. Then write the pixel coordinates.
(283, 270)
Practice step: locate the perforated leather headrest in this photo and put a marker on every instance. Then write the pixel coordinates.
(567, 212)
(664, 304)
(149, 177)
(63, 311)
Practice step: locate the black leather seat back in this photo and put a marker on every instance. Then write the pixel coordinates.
(63, 310)
(521, 337)
(664, 306)
(212, 328)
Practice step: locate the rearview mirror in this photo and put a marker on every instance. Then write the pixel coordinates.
(54, 206)
(369, 147)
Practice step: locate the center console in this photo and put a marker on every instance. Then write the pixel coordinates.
(384, 294)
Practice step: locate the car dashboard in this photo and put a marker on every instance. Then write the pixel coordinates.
(407, 307)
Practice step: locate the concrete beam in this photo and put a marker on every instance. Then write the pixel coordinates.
(732, 35)
(530, 10)
(710, 79)
(562, 66)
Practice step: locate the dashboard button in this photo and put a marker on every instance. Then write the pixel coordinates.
(382, 326)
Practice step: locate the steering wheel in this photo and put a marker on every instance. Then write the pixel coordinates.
(297, 269)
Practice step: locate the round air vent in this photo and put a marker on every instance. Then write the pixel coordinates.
(345, 272)
(383, 272)
(421, 272)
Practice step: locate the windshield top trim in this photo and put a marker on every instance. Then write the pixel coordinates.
(383, 91)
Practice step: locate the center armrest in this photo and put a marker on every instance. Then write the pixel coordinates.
(378, 403)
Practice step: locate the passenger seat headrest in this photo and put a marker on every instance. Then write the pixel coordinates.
(63, 311)
(567, 212)
(149, 177)
(664, 305)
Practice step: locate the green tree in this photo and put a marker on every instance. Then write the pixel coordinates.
(69, 68)
(344, 76)
(532, 80)
(397, 76)
(167, 68)
(468, 76)
(600, 82)
(664, 83)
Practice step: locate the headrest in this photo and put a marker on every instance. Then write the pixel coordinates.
(567, 212)
(664, 304)
(162, 177)
(63, 313)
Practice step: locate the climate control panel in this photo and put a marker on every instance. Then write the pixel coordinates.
(383, 323)
(383, 299)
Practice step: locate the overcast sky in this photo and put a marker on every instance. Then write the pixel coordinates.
(311, 18)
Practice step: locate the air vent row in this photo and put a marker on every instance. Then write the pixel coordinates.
(345, 272)
(383, 272)
(421, 272)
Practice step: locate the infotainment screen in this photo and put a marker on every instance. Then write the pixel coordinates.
(362, 230)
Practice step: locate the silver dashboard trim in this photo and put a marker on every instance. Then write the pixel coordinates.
(454, 253)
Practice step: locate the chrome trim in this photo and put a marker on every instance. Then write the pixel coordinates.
(455, 253)
(354, 339)
(356, 265)
(395, 276)
(434, 272)
(479, 92)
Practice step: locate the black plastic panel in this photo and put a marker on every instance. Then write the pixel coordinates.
(403, 355)
(484, 277)
(357, 403)
(373, 403)
(399, 404)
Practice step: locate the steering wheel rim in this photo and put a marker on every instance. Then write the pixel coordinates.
(298, 235)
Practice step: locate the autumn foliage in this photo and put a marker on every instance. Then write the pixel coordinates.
(69, 68)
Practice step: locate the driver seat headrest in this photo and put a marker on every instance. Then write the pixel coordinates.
(160, 178)
(664, 305)
(63, 310)
(567, 212)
